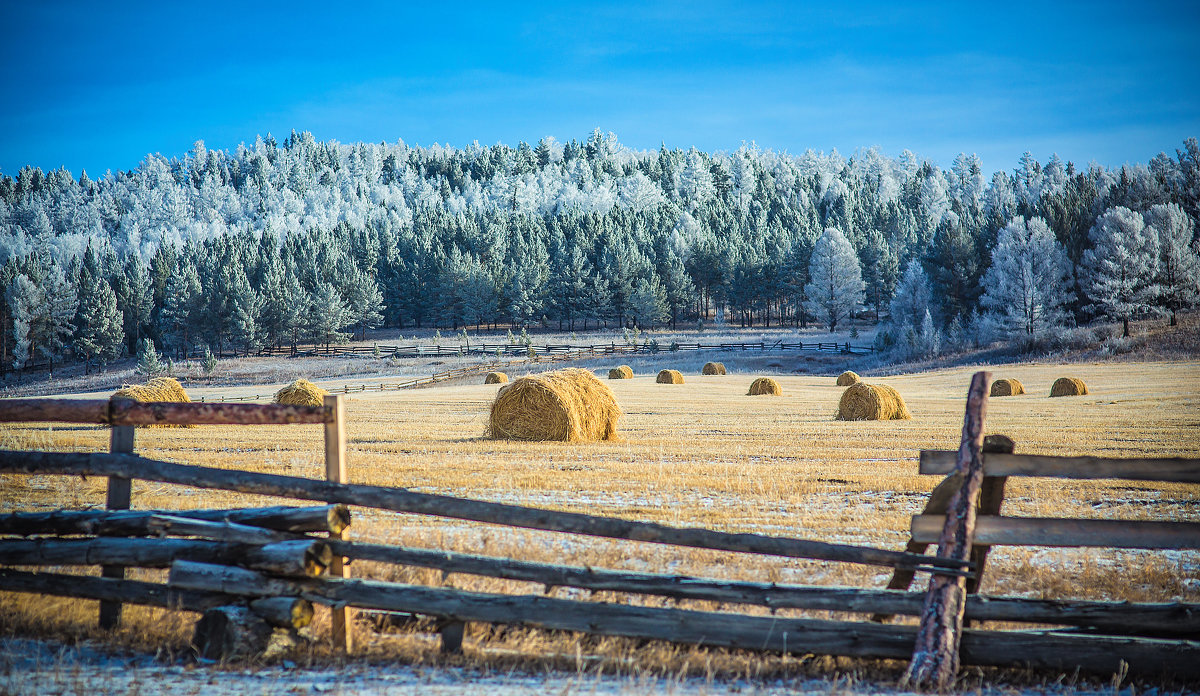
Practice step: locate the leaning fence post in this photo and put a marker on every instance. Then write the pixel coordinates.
(335, 472)
(935, 656)
(119, 496)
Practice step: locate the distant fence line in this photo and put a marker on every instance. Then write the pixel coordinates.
(420, 351)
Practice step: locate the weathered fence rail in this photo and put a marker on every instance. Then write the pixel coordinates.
(250, 569)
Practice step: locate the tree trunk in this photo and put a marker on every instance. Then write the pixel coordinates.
(229, 633)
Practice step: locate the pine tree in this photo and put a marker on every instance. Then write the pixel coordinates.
(98, 335)
(1118, 271)
(1178, 258)
(881, 269)
(954, 267)
(365, 302)
(835, 286)
(327, 316)
(1027, 287)
(182, 302)
(148, 362)
(913, 298)
(648, 303)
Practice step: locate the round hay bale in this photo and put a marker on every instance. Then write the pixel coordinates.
(621, 372)
(713, 368)
(1008, 386)
(301, 393)
(156, 389)
(669, 377)
(848, 378)
(496, 378)
(1068, 386)
(764, 386)
(570, 405)
(864, 401)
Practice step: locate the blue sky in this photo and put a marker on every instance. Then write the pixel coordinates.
(88, 85)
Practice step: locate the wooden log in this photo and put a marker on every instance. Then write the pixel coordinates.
(403, 500)
(1169, 469)
(130, 412)
(230, 633)
(118, 497)
(1047, 531)
(302, 557)
(284, 612)
(341, 620)
(1121, 618)
(112, 590)
(320, 518)
(935, 656)
(1092, 654)
(451, 633)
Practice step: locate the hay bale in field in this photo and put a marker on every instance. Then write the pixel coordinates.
(570, 405)
(1008, 386)
(848, 378)
(621, 372)
(864, 401)
(301, 393)
(713, 368)
(156, 389)
(1068, 386)
(764, 386)
(496, 378)
(669, 377)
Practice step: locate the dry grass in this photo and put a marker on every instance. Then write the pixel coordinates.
(694, 456)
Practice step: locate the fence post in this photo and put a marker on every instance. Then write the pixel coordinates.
(118, 498)
(935, 655)
(335, 472)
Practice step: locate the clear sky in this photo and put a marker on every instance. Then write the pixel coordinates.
(98, 85)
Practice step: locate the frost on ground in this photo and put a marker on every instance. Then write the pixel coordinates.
(43, 667)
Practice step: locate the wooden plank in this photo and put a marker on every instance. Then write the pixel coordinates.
(1044, 531)
(1119, 618)
(935, 656)
(118, 497)
(1093, 654)
(403, 500)
(1168, 469)
(298, 557)
(112, 590)
(320, 518)
(341, 620)
(130, 412)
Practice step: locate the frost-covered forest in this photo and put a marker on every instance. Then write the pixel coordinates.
(308, 241)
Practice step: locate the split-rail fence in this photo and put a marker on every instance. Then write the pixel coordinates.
(254, 569)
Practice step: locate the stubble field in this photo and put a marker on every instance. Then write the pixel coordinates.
(698, 454)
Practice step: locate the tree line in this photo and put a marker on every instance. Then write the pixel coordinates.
(305, 241)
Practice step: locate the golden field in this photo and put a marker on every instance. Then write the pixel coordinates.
(698, 454)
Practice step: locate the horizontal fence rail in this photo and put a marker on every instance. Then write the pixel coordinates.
(1175, 470)
(1102, 654)
(119, 411)
(1034, 531)
(402, 500)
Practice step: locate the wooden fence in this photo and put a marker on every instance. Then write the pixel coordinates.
(435, 350)
(241, 571)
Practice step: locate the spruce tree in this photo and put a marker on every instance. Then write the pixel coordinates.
(98, 335)
(1119, 269)
(835, 286)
